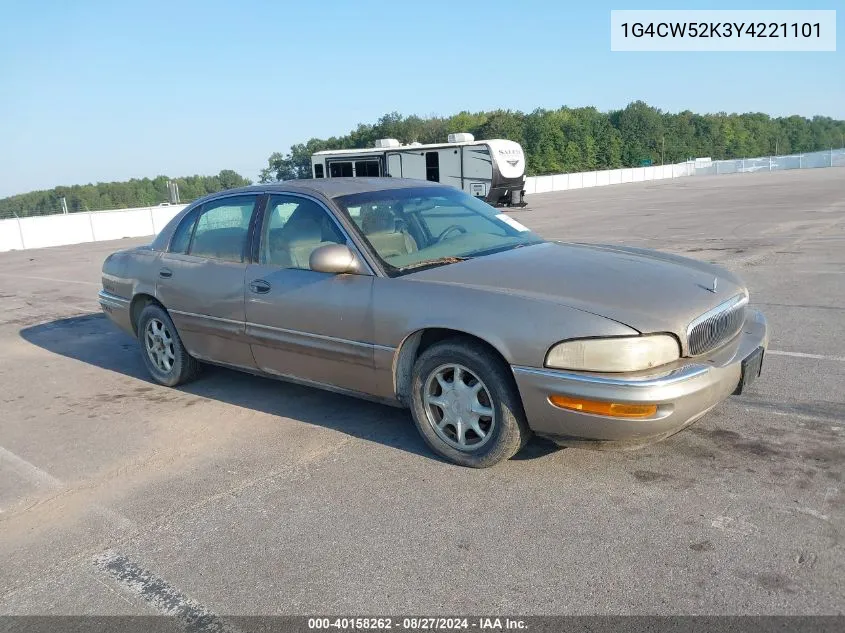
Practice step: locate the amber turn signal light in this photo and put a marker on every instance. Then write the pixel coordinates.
(612, 409)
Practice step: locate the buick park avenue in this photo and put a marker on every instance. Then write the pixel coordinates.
(419, 295)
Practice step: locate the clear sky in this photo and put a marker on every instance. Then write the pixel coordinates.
(98, 91)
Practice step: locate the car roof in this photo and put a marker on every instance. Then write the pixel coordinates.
(333, 187)
(327, 187)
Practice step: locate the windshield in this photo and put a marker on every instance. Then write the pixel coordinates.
(415, 227)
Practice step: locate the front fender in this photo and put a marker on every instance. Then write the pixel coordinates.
(521, 329)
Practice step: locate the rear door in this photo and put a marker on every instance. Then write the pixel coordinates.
(304, 324)
(201, 279)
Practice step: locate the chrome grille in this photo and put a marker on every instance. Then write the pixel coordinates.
(717, 326)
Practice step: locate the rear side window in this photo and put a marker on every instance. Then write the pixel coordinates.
(182, 235)
(222, 229)
(318, 171)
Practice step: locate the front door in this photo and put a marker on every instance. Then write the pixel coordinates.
(301, 323)
(201, 280)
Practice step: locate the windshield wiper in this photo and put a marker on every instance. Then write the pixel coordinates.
(501, 249)
(435, 262)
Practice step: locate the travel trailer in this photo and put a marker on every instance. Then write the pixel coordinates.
(493, 170)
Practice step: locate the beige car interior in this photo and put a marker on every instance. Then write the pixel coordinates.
(309, 227)
(221, 233)
(380, 226)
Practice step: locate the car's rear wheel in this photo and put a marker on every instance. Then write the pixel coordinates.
(465, 404)
(166, 358)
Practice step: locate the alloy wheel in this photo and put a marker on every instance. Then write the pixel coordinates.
(458, 407)
(159, 344)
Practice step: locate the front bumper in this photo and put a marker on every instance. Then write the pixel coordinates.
(683, 394)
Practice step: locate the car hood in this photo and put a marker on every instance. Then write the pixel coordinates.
(646, 290)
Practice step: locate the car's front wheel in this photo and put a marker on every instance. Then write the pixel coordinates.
(465, 404)
(166, 358)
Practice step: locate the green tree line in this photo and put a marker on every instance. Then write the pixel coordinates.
(583, 139)
(555, 141)
(141, 192)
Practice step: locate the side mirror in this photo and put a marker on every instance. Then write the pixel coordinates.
(334, 258)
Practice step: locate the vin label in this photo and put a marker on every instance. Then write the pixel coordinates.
(728, 30)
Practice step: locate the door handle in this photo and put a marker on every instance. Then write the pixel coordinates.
(259, 286)
(166, 273)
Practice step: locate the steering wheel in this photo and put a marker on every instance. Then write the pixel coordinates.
(450, 229)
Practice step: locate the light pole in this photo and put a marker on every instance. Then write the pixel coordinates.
(662, 149)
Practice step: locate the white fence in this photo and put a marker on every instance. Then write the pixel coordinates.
(565, 182)
(807, 160)
(96, 226)
(76, 228)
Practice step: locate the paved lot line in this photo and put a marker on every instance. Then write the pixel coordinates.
(43, 479)
(777, 352)
(29, 471)
(160, 594)
(60, 281)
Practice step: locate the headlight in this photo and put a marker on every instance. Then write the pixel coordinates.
(621, 354)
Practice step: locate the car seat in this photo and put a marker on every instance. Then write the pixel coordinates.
(307, 229)
(379, 225)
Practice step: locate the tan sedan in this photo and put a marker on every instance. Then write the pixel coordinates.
(419, 295)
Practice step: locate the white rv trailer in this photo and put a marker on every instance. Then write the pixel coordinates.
(493, 170)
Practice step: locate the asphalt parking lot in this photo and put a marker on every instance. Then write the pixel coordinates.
(248, 496)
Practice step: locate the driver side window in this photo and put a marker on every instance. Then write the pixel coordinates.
(293, 228)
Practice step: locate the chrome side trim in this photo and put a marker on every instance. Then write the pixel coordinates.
(324, 337)
(208, 325)
(323, 386)
(112, 300)
(205, 316)
(671, 378)
(730, 304)
(330, 387)
(321, 337)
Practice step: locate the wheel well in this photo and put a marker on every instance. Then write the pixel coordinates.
(139, 302)
(416, 343)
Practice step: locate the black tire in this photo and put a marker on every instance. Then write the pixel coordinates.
(510, 431)
(184, 367)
